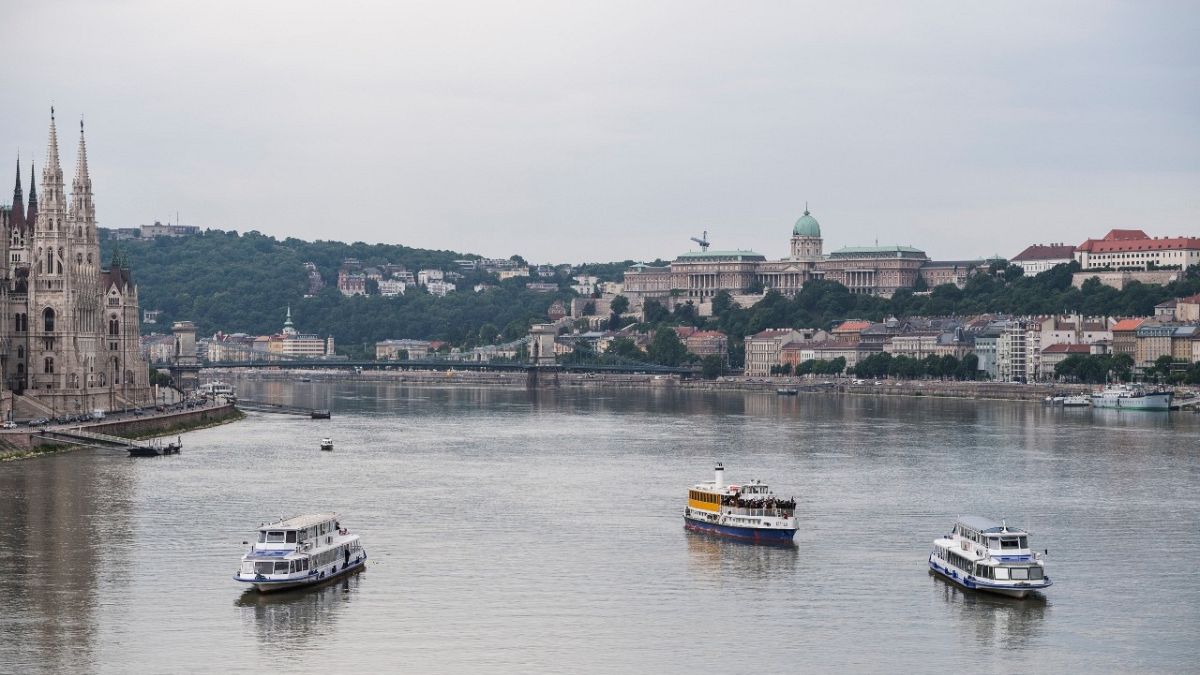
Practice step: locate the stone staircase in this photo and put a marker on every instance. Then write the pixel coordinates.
(26, 408)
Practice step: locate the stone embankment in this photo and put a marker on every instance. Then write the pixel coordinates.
(22, 441)
(839, 385)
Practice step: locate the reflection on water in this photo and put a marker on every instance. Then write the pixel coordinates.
(291, 619)
(993, 620)
(711, 558)
(56, 525)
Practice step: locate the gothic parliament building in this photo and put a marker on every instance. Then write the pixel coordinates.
(68, 325)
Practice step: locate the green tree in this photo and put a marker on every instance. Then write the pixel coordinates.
(711, 367)
(619, 305)
(666, 348)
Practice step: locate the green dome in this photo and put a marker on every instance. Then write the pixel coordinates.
(807, 226)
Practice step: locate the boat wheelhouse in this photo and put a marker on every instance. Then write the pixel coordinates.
(985, 555)
(749, 512)
(301, 551)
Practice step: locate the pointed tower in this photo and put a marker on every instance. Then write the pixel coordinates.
(31, 214)
(52, 210)
(288, 327)
(83, 211)
(17, 222)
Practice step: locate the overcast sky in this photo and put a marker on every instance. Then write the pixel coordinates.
(574, 131)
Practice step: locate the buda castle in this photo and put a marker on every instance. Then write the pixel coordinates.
(698, 276)
(68, 325)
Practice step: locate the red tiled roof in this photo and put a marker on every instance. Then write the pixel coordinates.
(707, 334)
(1136, 240)
(1191, 300)
(1067, 349)
(1051, 252)
(771, 333)
(1127, 325)
(852, 326)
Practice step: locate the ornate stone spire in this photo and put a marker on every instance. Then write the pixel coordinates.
(18, 202)
(83, 211)
(31, 214)
(52, 209)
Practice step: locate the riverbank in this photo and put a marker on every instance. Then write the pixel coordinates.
(1000, 391)
(23, 443)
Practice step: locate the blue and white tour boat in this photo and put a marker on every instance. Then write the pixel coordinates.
(749, 512)
(301, 551)
(985, 555)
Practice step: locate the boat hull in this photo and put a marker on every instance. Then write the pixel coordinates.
(962, 580)
(758, 535)
(1143, 402)
(307, 582)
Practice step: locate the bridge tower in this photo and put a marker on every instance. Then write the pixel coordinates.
(185, 367)
(541, 349)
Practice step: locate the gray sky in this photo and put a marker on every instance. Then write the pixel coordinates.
(571, 131)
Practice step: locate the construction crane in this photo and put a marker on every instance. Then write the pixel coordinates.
(703, 241)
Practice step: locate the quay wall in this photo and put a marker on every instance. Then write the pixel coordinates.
(17, 440)
(947, 389)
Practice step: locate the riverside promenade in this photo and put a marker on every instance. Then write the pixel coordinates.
(24, 441)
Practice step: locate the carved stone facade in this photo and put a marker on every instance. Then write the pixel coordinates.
(68, 326)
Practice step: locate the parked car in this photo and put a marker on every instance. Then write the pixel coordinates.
(8, 424)
(38, 422)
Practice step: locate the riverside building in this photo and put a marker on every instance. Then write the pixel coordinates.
(69, 326)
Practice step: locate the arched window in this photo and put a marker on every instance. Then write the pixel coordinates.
(129, 377)
(20, 351)
(116, 371)
(20, 369)
(114, 327)
(103, 379)
(48, 366)
(48, 319)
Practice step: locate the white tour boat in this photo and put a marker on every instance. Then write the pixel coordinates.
(750, 512)
(1126, 397)
(301, 551)
(326, 443)
(989, 556)
(216, 388)
(1077, 401)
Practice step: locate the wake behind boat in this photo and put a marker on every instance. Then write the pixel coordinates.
(301, 551)
(749, 512)
(989, 556)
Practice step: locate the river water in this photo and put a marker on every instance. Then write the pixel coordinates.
(514, 531)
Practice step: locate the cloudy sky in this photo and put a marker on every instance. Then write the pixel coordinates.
(573, 131)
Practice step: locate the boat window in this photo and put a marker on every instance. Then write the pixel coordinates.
(262, 537)
(274, 537)
(993, 542)
(1001, 572)
(291, 537)
(1024, 542)
(263, 568)
(281, 567)
(1036, 573)
(1019, 573)
(1009, 542)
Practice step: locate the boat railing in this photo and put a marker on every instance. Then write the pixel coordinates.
(773, 513)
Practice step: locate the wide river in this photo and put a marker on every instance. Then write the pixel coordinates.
(514, 531)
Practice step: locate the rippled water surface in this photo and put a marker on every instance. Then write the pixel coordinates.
(515, 531)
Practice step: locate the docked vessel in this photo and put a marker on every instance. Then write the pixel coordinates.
(1076, 401)
(215, 388)
(988, 556)
(326, 443)
(301, 551)
(1127, 397)
(750, 512)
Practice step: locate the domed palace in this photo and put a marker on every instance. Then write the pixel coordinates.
(700, 275)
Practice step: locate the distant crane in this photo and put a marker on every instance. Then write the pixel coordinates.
(703, 241)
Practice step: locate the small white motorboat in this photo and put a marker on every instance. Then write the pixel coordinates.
(326, 443)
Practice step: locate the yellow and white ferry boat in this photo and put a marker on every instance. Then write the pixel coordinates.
(749, 512)
(301, 551)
